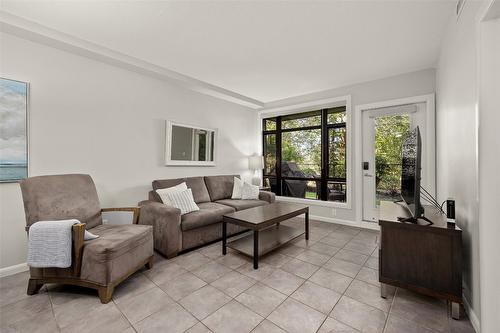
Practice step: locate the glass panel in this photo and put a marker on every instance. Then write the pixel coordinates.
(202, 145)
(390, 132)
(305, 119)
(336, 115)
(270, 182)
(308, 189)
(337, 152)
(191, 144)
(270, 154)
(301, 154)
(337, 191)
(270, 124)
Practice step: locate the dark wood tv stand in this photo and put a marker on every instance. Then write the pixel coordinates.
(420, 257)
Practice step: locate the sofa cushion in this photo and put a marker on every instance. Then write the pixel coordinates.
(220, 187)
(209, 213)
(119, 250)
(196, 184)
(242, 204)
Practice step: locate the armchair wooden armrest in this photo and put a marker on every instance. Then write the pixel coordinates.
(78, 239)
(135, 210)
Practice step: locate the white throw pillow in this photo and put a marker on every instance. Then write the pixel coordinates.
(183, 200)
(249, 192)
(237, 187)
(164, 191)
(89, 236)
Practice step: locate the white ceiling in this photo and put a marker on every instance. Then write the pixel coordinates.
(265, 50)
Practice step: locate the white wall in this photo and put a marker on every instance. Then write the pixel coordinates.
(456, 139)
(489, 164)
(90, 117)
(406, 85)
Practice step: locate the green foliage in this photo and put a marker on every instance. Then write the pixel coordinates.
(389, 135)
(337, 152)
(303, 148)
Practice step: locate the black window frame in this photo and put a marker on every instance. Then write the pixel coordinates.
(325, 127)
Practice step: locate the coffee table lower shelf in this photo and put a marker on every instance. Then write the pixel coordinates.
(269, 239)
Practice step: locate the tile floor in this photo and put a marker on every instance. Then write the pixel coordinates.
(328, 284)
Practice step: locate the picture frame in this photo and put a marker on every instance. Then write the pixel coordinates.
(191, 155)
(14, 129)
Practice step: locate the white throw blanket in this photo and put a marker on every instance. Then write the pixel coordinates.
(50, 243)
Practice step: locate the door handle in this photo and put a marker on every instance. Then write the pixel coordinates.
(368, 175)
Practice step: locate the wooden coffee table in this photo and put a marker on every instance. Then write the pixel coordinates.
(267, 234)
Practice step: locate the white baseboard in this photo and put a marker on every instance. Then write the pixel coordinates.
(364, 225)
(11, 270)
(472, 315)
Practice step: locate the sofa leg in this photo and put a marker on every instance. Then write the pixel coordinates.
(150, 262)
(34, 286)
(105, 294)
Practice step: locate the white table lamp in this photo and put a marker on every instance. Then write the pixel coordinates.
(256, 163)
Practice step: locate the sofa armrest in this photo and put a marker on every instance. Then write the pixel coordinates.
(166, 222)
(267, 196)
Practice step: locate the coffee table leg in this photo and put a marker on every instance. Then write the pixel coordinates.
(307, 225)
(224, 240)
(255, 249)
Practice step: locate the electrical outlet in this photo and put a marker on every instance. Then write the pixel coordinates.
(334, 212)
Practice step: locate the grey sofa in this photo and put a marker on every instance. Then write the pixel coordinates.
(174, 233)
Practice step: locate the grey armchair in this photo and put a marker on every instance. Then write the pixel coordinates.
(101, 263)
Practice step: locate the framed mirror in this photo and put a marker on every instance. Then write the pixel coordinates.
(190, 145)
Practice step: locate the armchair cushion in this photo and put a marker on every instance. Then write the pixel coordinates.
(119, 250)
(242, 204)
(61, 197)
(209, 213)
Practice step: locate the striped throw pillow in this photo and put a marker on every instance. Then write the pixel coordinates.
(162, 192)
(183, 200)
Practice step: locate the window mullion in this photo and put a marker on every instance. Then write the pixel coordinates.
(324, 154)
(278, 156)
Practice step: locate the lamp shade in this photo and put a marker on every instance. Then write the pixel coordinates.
(255, 162)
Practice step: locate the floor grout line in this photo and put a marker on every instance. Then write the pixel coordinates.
(390, 310)
(276, 266)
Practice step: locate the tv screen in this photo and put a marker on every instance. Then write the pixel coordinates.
(410, 172)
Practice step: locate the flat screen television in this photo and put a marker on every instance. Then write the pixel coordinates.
(411, 173)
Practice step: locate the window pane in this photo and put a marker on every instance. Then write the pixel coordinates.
(271, 182)
(390, 132)
(270, 124)
(270, 154)
(301, 154)
(308, 189)
(336, 115)
(305, 119)
(337, 191)
(337, 152)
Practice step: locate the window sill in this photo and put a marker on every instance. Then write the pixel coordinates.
(310, 202)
